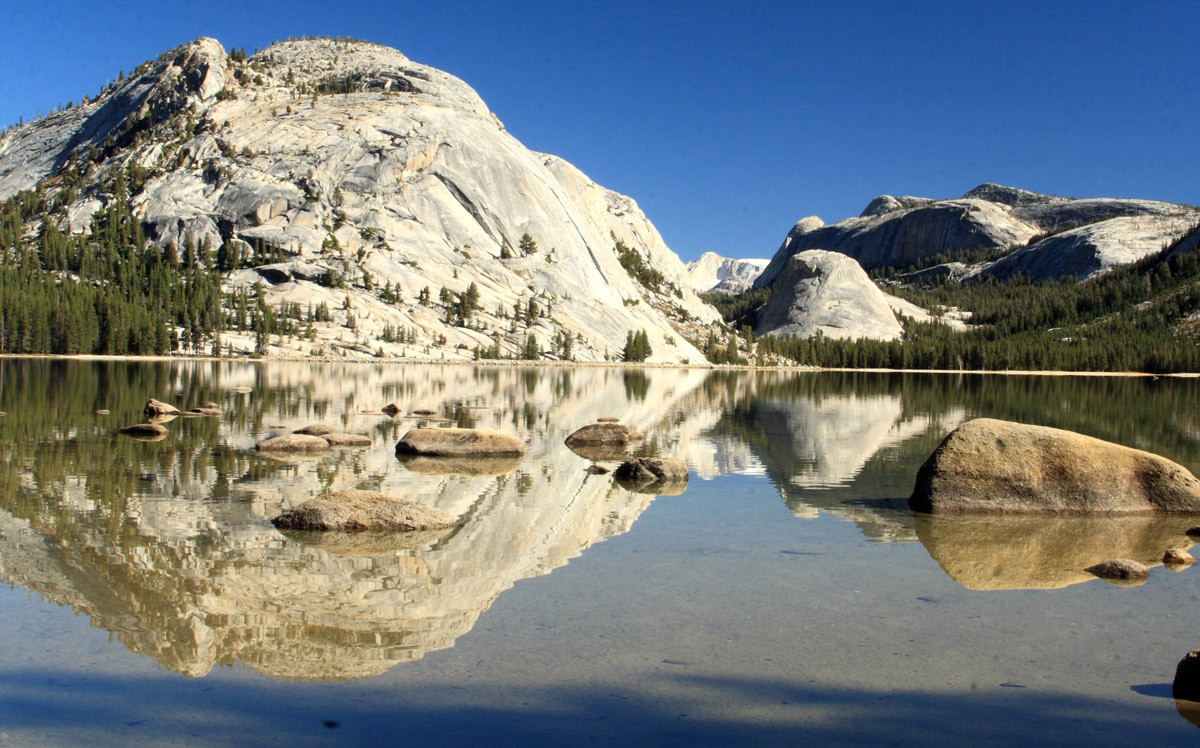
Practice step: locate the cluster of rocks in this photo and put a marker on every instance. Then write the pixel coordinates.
(460, 451)
(157, 413)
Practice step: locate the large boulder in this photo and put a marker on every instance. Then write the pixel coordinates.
(459, 443)
(354, 511)
(605, 434)
(827, 293)
(988, 466)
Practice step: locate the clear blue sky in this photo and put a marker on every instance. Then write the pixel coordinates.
(728, 122)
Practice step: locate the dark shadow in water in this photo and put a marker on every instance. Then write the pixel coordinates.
(751, 712)
(1160, 690)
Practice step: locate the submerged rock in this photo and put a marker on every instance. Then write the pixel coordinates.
(452, 442)
(998, 467)
(293, 443)
(390, 409)
(606, 434)
(343, 439)
(206, 412)
(652, 470)
(354, 510)
(1120, 569)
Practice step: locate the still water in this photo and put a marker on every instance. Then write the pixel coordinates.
(786, 597)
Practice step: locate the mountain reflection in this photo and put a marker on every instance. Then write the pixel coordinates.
(168, 544)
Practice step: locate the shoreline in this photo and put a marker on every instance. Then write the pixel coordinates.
(582, 364)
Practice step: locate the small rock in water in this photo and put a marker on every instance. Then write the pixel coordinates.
(653, 469)
(209, 404)
(1121, 569)
(606, 434)
(342, 439)
(424, 412)
(1178, 557)
(101, 412)
(293, 443)
(453, 442)
(1187, 677)
(596, 470)
(356, 511)
(158, 409)
(390, 409)
(315, 429)
(608, 419)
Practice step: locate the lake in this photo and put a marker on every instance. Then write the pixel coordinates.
(788, 596)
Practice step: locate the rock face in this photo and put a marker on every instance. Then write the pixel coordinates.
(713, 273)
(459, 443)
(373, 176)
(652, 470)
(1096, 234)
(827, 293)
(370, 511)
(988, 466)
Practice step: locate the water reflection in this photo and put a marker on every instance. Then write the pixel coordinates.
(168, 543)
(1009, 553)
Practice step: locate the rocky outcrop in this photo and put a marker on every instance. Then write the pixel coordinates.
(404, 183)
(459, 443)
(363, 511)
(712, 273)
(1090, 235)
(988, 466)
(827, 293)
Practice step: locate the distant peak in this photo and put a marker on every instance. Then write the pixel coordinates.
(1011, 196)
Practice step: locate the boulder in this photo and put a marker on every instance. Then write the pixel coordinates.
(988, 466)
(604, 435)
(390, 409)
(354, 511)
(1121, 569)
(453, 442)
(829, 294)
(1178, 557)
(293, 443)
(149, 431)
(652, 470)
(343, 439)
(158, 409)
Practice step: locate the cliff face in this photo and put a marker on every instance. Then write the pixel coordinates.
(1090, 235)
(360, 170)
(713, 273)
